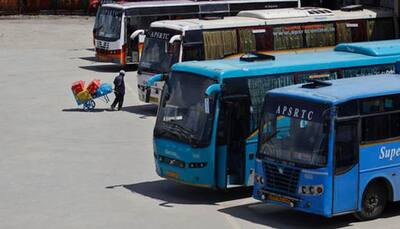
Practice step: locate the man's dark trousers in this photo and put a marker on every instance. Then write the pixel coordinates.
(119, 99)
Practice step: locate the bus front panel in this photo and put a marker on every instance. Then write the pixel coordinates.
(307, 190)
(183, 163)
(109, 36)
(292, 166)
(184, 134)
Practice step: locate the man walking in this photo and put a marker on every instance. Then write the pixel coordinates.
(119, 90)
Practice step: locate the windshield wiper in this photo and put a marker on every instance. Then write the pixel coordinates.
(180, 132)
(182, 129)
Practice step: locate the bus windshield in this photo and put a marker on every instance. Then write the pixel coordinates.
(294, 134)
(181, 114)
(158, 55)
(108, 24)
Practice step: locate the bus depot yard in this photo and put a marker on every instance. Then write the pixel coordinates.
(64, 168)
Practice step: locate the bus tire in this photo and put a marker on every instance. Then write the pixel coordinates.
(373, 202)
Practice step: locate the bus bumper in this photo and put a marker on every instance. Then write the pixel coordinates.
(198, 177)
(108, 58)
(272, 190)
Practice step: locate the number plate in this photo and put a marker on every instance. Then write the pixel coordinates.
(172, 175)
(280, 199)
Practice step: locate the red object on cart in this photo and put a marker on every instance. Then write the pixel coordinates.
(93, 86)
(78, 86)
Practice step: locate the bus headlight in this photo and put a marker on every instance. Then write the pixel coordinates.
(303, 189)
(259, 179)
(197, 165)
(312, 190)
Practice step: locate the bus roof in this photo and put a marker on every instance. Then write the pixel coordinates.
(167, 3)
(349, 88)
(273, 17)
(344, 55)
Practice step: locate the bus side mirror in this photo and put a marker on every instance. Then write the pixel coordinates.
(151, 81)
(173, 44)
(137, 33)
(156, 78)
(213, 88)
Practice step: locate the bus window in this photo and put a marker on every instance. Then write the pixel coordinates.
(288, 37)
(158, 54)
(394, 125)
(264, 38)
(380, 29)
(194, 52)
(380, 104)
(346, 146)
(247, 41)
(351, 31)
(283, 127)
(218, 44)
(343, 32)
(109, 24)
(229, 39)
(375, 128)
(258, 87)
(319, 35)
(370, 70)
(348, 109)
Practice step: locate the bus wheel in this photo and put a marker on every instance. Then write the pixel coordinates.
(373, 202)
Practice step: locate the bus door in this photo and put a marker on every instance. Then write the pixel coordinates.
(346, 166)
(237, 127)
(130, 45)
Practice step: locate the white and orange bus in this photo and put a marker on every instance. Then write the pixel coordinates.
(119, 27)
(171, 41)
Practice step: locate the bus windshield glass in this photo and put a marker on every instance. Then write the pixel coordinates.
(108, 24)
(158, 55)
(294, 132)
(181, 114)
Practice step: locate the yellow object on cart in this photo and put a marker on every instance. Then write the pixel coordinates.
(83, 96)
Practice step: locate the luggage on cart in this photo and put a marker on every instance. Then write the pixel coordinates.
(83, 96)
(93, 86)
(78, 86)
(93, 91)
(104, 89)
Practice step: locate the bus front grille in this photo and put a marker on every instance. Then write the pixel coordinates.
(281, 179)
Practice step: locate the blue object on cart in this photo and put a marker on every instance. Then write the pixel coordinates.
(104, 89)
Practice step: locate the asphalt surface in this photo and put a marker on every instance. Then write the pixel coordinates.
(64, 168)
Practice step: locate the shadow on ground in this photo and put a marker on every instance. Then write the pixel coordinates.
(108, 67)
(88, 58)
(145, 110)
(281, 217)
(171, 193)
(81, 110)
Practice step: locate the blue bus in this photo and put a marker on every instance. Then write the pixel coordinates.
(331, 147)
(207, 121)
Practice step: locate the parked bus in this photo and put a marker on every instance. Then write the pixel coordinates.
(119, 27)
(169, 42)
(207, 121)
(331, 148)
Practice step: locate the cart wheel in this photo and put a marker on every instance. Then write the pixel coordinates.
(89, 105)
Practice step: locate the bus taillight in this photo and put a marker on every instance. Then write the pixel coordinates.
(124, 51)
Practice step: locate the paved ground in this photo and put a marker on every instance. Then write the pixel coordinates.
(62, 168)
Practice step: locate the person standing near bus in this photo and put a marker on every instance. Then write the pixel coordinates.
(119, 90)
